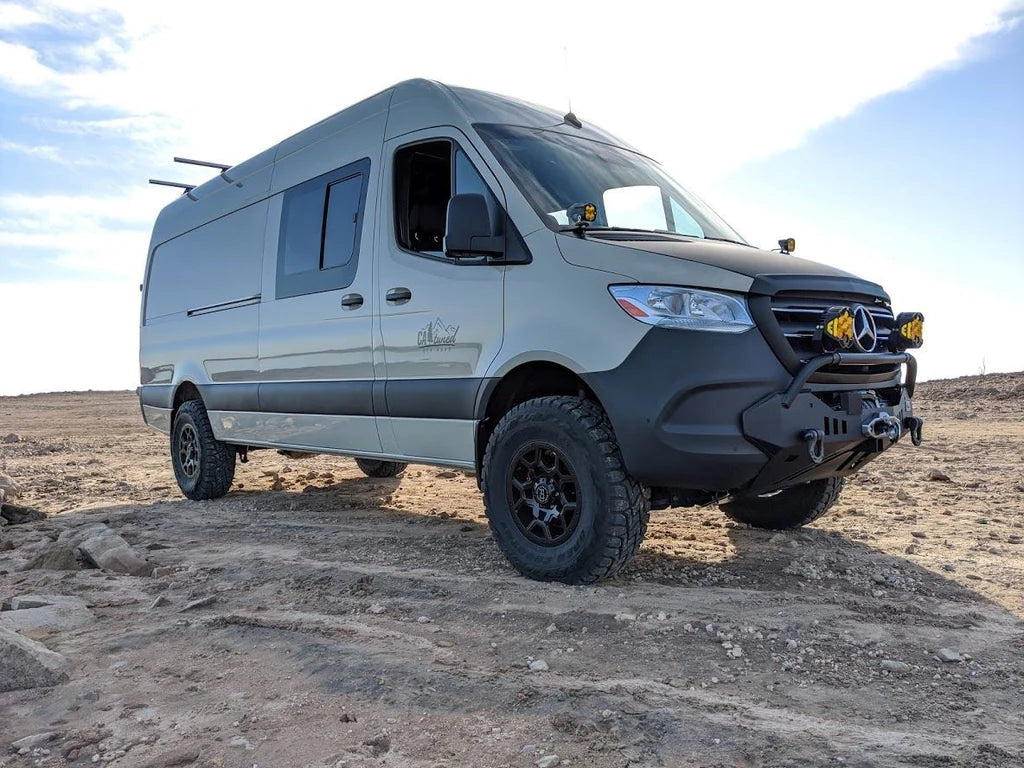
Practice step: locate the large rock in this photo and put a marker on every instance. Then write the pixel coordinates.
(10, 488)
(110, 552)
(37, 615)
(55, 558)
(16, 514)
(24, 663)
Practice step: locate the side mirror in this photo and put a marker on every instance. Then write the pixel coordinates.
(468, 230)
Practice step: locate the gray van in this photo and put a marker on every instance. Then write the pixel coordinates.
(445, 276)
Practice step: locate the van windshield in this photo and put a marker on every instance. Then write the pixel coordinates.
(555, 171)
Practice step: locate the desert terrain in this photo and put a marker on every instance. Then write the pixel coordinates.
(317, 617)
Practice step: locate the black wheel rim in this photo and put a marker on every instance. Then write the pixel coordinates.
(188, 450)
(543, 494)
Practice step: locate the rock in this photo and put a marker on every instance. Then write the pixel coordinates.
(241, 741)
(73, 537)
(919, 534)
(949, 655)
(548, 761)
(174, 758)
(423, 619)
(12, 437)
(625, 617)
(551, 628)
(10, 488)
(538, 665)
(895, 666)
(55, 558)
(735, 652)
(906, 498)
(911, 549)
(36, 740)
(159, 602)
(949, 567)
(379, 744)
(163, 571)
(15, 514)
(376, 608)
(39, 614)
(112, 553)
(24, 663)
(202, 602)
(937, 475)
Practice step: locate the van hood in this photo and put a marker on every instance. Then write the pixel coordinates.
(708, 264)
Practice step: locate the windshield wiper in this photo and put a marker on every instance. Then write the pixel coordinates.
(727, 240)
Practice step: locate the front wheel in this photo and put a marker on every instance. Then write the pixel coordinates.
(203, 466)
(789, 508)
(561, 505)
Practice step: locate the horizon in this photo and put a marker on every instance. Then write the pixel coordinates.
(904, 167)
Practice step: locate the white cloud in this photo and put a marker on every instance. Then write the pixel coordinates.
(703, 88)
(18, 16)
(101, 237)
(42, 151)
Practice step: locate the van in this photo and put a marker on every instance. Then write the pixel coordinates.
(446, 276)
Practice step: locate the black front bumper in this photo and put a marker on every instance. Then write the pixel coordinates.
(719, 413)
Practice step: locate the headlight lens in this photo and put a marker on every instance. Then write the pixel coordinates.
(667, 306)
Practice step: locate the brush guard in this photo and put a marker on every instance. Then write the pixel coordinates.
(807, 438)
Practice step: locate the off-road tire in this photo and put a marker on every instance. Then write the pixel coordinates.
(214, 464)
(790, 508)
(375, 468)
(612, 507)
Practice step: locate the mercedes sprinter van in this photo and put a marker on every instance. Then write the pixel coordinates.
(446, 276)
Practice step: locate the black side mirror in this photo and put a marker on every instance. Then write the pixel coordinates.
(468, 230)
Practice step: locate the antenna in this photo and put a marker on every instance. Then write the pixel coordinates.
(206, 163)
(570, 118)
(568, 81)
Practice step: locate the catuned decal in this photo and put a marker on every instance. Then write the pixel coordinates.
(437, 333)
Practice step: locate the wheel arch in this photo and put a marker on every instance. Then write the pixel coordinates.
(183, 392)
(526, 381)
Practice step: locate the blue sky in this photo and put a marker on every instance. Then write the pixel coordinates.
(921, 190)
(886, 138)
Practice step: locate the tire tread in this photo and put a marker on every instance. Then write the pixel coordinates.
(629, 500)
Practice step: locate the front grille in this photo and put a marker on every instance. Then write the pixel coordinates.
(798, 315)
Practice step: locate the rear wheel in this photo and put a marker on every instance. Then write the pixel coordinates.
(375, 468)
(788, 508)
(203, 466)
(560, 503)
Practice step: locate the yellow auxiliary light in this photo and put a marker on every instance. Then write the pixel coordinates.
(589, 212)
(908, 331)
(837, 326)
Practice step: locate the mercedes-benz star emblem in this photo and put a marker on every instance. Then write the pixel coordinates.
(865, 334)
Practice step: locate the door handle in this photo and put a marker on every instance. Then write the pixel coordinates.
(398, 295)
(351, 301)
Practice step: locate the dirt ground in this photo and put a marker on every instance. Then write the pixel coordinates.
(360, 622)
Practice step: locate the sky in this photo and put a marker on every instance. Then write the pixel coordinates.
(886, 137)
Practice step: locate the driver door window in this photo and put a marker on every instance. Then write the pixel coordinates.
(425, 176)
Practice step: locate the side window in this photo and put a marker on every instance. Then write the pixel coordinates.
(321, 221)
(425, 176)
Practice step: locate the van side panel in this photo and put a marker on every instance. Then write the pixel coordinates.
(201, 311)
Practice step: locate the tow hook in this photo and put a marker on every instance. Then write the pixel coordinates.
(815, 439)
(913, 425)
(883, 425)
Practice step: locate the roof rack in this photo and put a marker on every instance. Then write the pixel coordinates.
(206, 163)
(222, 167)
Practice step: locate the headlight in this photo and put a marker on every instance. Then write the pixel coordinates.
(669, 307)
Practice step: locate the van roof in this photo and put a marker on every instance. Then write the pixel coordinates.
(411, 105)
